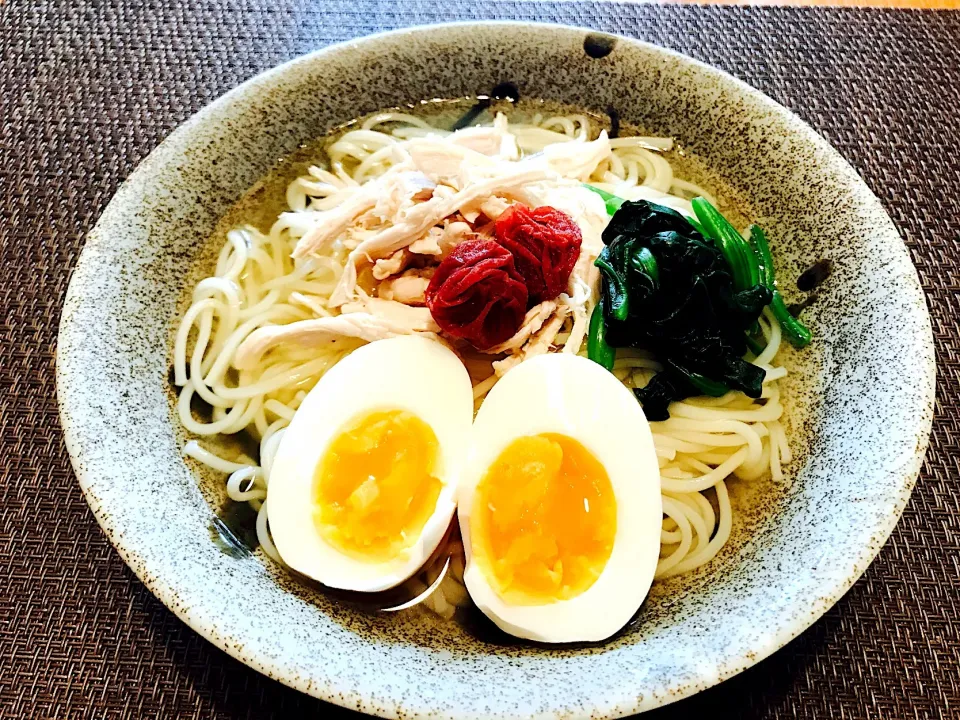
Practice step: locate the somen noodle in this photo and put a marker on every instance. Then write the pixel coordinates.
(706, 441)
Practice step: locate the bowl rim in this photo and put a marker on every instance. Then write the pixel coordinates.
(323, 688)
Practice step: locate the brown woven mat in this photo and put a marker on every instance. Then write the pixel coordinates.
(87, 89)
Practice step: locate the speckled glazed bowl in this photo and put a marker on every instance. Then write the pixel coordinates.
(860, 398)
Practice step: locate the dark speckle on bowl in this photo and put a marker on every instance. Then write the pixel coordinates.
(506, 91)
(599, 45)
(811, 278)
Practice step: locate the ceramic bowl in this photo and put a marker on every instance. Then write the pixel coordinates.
(859, 409)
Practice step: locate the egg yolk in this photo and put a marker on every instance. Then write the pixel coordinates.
(375, 488)
(545, 520)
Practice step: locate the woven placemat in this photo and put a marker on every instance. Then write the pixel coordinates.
(87, 89)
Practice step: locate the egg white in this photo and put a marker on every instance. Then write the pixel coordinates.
(566, 394)
(403, 373)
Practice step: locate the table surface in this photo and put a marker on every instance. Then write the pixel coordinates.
(87, 89)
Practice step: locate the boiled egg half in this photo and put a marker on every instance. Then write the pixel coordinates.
(559, 505)
(363, 486)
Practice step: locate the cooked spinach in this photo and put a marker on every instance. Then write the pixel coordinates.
(668, 289)
(740, 258)
(598, 349)
(794, 330)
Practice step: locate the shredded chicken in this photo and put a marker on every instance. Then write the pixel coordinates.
(429, 244)
(400, 191)
(425, 215)
(451, 160)
(493, 207)
(386, 197)
(580, 305)
(476, 163)
(577, 159)
(538, 344)
(445, 163)
(421, 208)
(493, 140)
(319, 332)
(532, 322)
(588, 211)
(385, 267)
(409, 288)
(441, 240)
(415, 319)
(327, 225)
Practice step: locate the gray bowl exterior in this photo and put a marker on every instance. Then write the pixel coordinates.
(859, 410)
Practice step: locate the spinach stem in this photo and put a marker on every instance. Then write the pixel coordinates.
(615, 286)
(742, 261)
(598, 349)
(794, 330)
(702, 383)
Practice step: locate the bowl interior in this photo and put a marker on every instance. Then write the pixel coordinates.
(859, 400)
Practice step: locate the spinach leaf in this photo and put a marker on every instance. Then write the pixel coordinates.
(668, 289)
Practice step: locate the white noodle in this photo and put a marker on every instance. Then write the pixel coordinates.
(705, 442)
